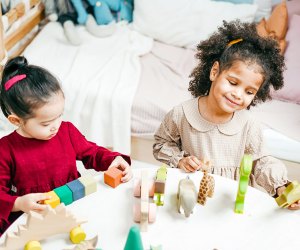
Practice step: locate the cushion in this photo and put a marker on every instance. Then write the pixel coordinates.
(291, 90)
(185, 22)
(263, 10)
(278, 21)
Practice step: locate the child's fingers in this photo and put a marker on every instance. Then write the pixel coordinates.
(38, 207)
(41, 197)
(126, 176)
(192, 165)
(295, 206)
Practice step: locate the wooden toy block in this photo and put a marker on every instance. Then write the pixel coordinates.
(89, 183)
(112, 177)
(40, 226)
(207, 184)
(65, 194)
(54, 201)
(245, 171)
(134, 240)
(186, 196)
(159, 185)
(86, 245)
(290, 195)
(77, 189)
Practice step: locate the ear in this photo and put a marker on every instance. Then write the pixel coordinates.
(15, 120)
(214, 71)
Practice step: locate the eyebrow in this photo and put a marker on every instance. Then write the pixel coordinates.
(52, 119)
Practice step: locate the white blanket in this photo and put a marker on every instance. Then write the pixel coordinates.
(99, 79)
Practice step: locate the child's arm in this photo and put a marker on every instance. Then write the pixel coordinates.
(167, 146)
(123, 165)
(29, 202)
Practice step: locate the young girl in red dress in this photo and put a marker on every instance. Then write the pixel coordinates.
(41, 153)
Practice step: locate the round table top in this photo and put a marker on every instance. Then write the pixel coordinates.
(109, 212)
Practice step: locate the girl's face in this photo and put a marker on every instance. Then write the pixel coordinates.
(234, 88)
(46, 121)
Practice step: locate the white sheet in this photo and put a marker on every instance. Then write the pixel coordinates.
(99, 78)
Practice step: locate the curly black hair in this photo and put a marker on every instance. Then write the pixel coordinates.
(253, 49)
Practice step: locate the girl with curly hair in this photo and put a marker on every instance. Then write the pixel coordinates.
(237, 69)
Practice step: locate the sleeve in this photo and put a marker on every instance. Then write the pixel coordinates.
(167, 145)
(269, 172)
(6, 199)
(92, 155)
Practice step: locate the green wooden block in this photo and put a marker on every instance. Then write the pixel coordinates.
(89, 184)
(245, 171)
(65, 194)
(134, 240)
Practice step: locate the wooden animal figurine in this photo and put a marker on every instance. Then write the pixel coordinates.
(207, 184)
(42, 225)
(290, 195)
(245, 170)
(159, 185)
(186, 196)
(145, 211)
(86, 245)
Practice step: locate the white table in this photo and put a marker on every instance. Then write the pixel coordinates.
(213, 226)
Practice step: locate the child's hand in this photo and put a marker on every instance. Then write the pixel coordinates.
(190, 164)
(29, 202)
(295, 205)
(123, 165)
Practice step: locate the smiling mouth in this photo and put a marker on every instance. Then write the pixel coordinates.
(232, 102)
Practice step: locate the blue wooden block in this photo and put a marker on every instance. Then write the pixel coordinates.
(77, 189)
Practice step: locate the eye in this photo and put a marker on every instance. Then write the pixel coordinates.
(232, 83)
(45, 125)
(249, 93)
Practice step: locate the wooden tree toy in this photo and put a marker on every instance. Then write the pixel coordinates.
(134, 240)
(159, 185)
(245, 170)
(186, 196)
(290, 195)
(42, 225)
(207, 184)
(145, 211)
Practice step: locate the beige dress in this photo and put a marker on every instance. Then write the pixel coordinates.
(184, 132)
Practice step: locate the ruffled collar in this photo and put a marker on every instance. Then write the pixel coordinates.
(193, 116)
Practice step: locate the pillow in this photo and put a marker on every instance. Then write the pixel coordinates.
(264, 7)
(278, 21)
(291, 90)
(185, 22)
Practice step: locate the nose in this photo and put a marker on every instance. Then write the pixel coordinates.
(53, 129)
(237, 93)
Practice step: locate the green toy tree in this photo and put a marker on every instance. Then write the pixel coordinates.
(134, 241)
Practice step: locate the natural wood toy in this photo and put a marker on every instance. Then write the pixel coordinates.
(159, 185)
(42, 225)
(290, 195)
(207, 184)
(134, 240)
(86, 245)
(145, 211)
(72, 191)
(186, 196)
(245, 170)
(112, 177)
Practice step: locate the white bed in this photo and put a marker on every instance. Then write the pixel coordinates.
(119, 88)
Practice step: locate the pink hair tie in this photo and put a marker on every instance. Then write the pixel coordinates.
(13, 81)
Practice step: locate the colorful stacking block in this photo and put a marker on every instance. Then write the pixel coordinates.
(54, 201)
(245, 171)
(134, 240)
(77, 189)
(112, 177)
(65, 194)
(290, 195)
(89, 184)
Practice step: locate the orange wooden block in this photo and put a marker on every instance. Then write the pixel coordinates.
(112, 177)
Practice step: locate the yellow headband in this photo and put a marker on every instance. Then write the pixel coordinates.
(234, 42)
